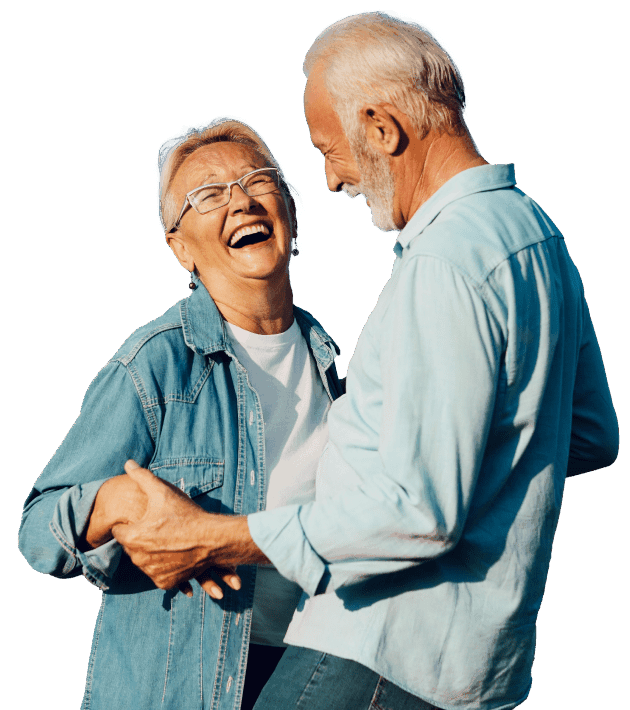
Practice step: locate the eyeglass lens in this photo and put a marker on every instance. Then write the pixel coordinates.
(214, 196)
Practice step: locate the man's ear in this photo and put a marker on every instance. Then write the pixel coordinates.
(180, 250)
(382, 130)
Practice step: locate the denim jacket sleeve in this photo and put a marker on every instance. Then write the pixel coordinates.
(111, 428)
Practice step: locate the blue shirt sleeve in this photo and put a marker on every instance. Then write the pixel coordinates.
(421, 391)
(111, 428)
(594, 428)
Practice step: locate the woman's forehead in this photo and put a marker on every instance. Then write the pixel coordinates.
(217, 162)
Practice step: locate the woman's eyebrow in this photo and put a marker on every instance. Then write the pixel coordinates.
(213, 177)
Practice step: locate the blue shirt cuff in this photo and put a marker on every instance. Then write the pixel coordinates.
(279, 534)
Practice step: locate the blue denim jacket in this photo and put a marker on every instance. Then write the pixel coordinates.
(175, 399)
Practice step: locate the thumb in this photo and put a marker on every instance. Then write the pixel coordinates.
(142, 476)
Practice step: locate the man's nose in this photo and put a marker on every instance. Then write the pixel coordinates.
(334, 183)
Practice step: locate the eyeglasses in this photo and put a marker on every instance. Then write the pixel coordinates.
(210, 197)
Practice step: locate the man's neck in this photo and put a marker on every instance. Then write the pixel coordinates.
(258, 305)
(429, 164)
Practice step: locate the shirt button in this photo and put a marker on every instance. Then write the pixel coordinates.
(251, 417)
(252, 477)
(229, 684)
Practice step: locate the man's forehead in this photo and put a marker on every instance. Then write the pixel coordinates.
(320, 115)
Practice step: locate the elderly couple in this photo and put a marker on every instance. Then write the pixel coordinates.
(387, 548)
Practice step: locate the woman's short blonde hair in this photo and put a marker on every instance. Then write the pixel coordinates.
(221, 130)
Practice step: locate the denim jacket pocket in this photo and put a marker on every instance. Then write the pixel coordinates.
(195, 475)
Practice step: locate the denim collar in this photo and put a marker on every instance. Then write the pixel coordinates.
(204, 332)
(479, 179)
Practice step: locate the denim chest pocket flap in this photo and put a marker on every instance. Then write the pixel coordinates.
(194, 475)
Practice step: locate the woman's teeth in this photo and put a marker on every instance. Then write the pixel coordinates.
(246, 231)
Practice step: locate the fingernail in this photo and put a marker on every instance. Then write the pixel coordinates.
(235, 582)
(216, 593)
(189, 593)
(131, 464)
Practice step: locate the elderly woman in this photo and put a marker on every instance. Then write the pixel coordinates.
(225, 397)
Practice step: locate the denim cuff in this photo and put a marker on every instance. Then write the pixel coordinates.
(69, 522)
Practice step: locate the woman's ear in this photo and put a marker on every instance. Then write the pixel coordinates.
(180, 250)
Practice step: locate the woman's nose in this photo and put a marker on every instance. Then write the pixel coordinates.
(240, 200)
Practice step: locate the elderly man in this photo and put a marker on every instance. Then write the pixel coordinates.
(476, 387)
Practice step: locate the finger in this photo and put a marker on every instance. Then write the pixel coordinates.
(145, 479)
(210, 585)
(148, 482)
(229, 577)
(186, 588)
(119, 531)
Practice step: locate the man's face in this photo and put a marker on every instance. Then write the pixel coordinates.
(215, 239)
(356, 169)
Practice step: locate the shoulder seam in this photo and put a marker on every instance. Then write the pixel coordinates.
(126, 359)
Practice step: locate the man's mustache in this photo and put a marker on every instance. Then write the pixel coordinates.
(351, 190)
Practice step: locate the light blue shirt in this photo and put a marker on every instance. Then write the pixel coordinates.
(476, 386)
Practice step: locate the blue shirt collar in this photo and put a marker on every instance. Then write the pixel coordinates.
(479, 179)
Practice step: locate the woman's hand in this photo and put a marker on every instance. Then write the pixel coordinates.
(209, 582)
(119, 500)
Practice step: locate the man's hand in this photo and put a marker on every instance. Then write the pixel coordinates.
(177, 540)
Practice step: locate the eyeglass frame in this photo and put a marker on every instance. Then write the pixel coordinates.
(229, 185)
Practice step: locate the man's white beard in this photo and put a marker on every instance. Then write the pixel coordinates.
(377, 184)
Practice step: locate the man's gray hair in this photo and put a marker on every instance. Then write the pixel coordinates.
(221, 130)
(374, 57)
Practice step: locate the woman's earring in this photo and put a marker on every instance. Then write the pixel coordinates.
(192, 285)
(295, 251)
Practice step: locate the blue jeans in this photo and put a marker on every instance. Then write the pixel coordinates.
(312, 680)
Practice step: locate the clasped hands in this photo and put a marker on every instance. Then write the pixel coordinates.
(174, 540)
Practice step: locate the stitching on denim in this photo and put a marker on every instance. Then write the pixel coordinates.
(195, 488)
(87, 695)
(374, 703)
(65, 544)
(245, 632)
(316, 672)
(220, 667)
(170, 646)
(187, 461)
(262, 473)
(313, 326)
(203, 616)
(241, 462)
(126, 359)
(194, 393)
(188, 397)
(142, 394)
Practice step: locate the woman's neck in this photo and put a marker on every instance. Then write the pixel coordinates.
(259, 305)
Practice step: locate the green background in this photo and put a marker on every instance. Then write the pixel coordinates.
(93, 90)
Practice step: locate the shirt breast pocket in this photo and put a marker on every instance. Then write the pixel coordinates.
(199, 477)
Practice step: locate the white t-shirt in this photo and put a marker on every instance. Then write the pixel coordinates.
(295, 407)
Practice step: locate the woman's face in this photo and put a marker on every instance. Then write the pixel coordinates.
(210, 241)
